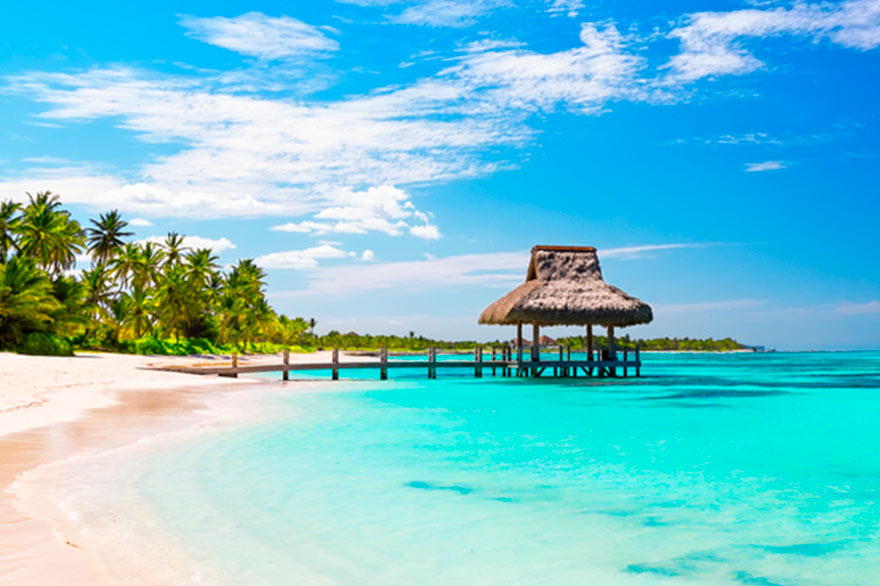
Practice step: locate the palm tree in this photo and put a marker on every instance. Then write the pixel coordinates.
(200, 266)
(147, 269)
(99, 292)
(124, 266)
(172, 300)
(139, 310)
(48, 236)
(9, 221)
(312, 323)
(26, 301)
(174, 249)
(105, 239)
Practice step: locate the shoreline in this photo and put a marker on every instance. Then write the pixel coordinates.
(57, 410)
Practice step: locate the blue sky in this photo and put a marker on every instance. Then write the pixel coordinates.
(390, 163)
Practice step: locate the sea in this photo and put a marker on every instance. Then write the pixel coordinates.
(738, 468)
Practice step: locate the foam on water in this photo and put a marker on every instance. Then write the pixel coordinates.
(722, 469)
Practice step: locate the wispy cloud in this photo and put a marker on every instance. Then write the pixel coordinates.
(140, 222)
(712, 42)
(258, 35)
(447, 13)
(633, 252)
(765, 166)
(300, 259)
(869, 308)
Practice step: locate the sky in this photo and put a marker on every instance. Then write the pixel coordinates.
(391, 162)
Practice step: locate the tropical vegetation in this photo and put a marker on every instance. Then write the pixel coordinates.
(143, 296)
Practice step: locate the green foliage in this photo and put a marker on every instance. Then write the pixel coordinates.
(42, 344)
(659, 344)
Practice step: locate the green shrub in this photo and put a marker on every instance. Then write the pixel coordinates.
(150, 345)
(40, 344)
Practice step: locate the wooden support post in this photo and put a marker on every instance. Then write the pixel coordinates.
(235, 364)
(612, 350)
(383, 372)
(478, 362)
(335, 364)
(519, 341)
(285, 375)
(536, 343)
(625, 352)
(493, 360)
(589, 341)
(431, 358)
(561, 370)
(638, 363)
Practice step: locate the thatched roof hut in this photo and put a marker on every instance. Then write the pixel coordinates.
(564, 286)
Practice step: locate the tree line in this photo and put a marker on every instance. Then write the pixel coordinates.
(143, 297)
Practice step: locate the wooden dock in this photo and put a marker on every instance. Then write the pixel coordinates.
(504, 362)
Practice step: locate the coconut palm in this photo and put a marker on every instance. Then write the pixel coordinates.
(26, 301)
(9, 222)
(139, 312)
(98, 289)
(48, 235)
(106, 237)
(148, 267)
(125, 264)
(174, 249)
(200, 266)
(173, 300)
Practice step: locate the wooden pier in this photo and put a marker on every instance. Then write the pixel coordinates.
(504, 362)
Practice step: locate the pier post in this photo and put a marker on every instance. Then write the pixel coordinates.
(235, 363)
(478, 359)
(638, 363)
(286, 374)
(493, 360)
(383, 372)
(335, 364)
(625, 352)
(561, 370)
(519, 341)
(589, 341)
(431, 358)
(612, 350)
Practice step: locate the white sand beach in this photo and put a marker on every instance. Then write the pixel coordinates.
(52, 409)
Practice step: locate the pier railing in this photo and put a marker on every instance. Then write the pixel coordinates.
(504, 362)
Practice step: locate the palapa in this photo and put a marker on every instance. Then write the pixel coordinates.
(564, 286)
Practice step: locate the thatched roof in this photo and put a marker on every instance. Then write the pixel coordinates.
(564, 286)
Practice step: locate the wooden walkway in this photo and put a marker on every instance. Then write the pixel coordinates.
(504, 365)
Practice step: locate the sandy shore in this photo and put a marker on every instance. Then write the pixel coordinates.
(52, 409)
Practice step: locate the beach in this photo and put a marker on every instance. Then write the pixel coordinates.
(53, 409)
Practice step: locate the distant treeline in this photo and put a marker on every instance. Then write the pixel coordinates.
(686, 344)
(413, 343)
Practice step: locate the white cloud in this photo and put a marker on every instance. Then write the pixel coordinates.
(765, 166)
(368, 255)
(447, 13)
(426, 231)
(869, 308)
(634, 252)
(261, 36)
(140, 222)
(712, 42)
(299, 259)
(194, 242)
(568, 7)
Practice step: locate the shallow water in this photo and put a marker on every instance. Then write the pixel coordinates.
(723, 469)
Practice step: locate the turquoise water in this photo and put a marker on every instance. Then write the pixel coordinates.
(759, 469)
